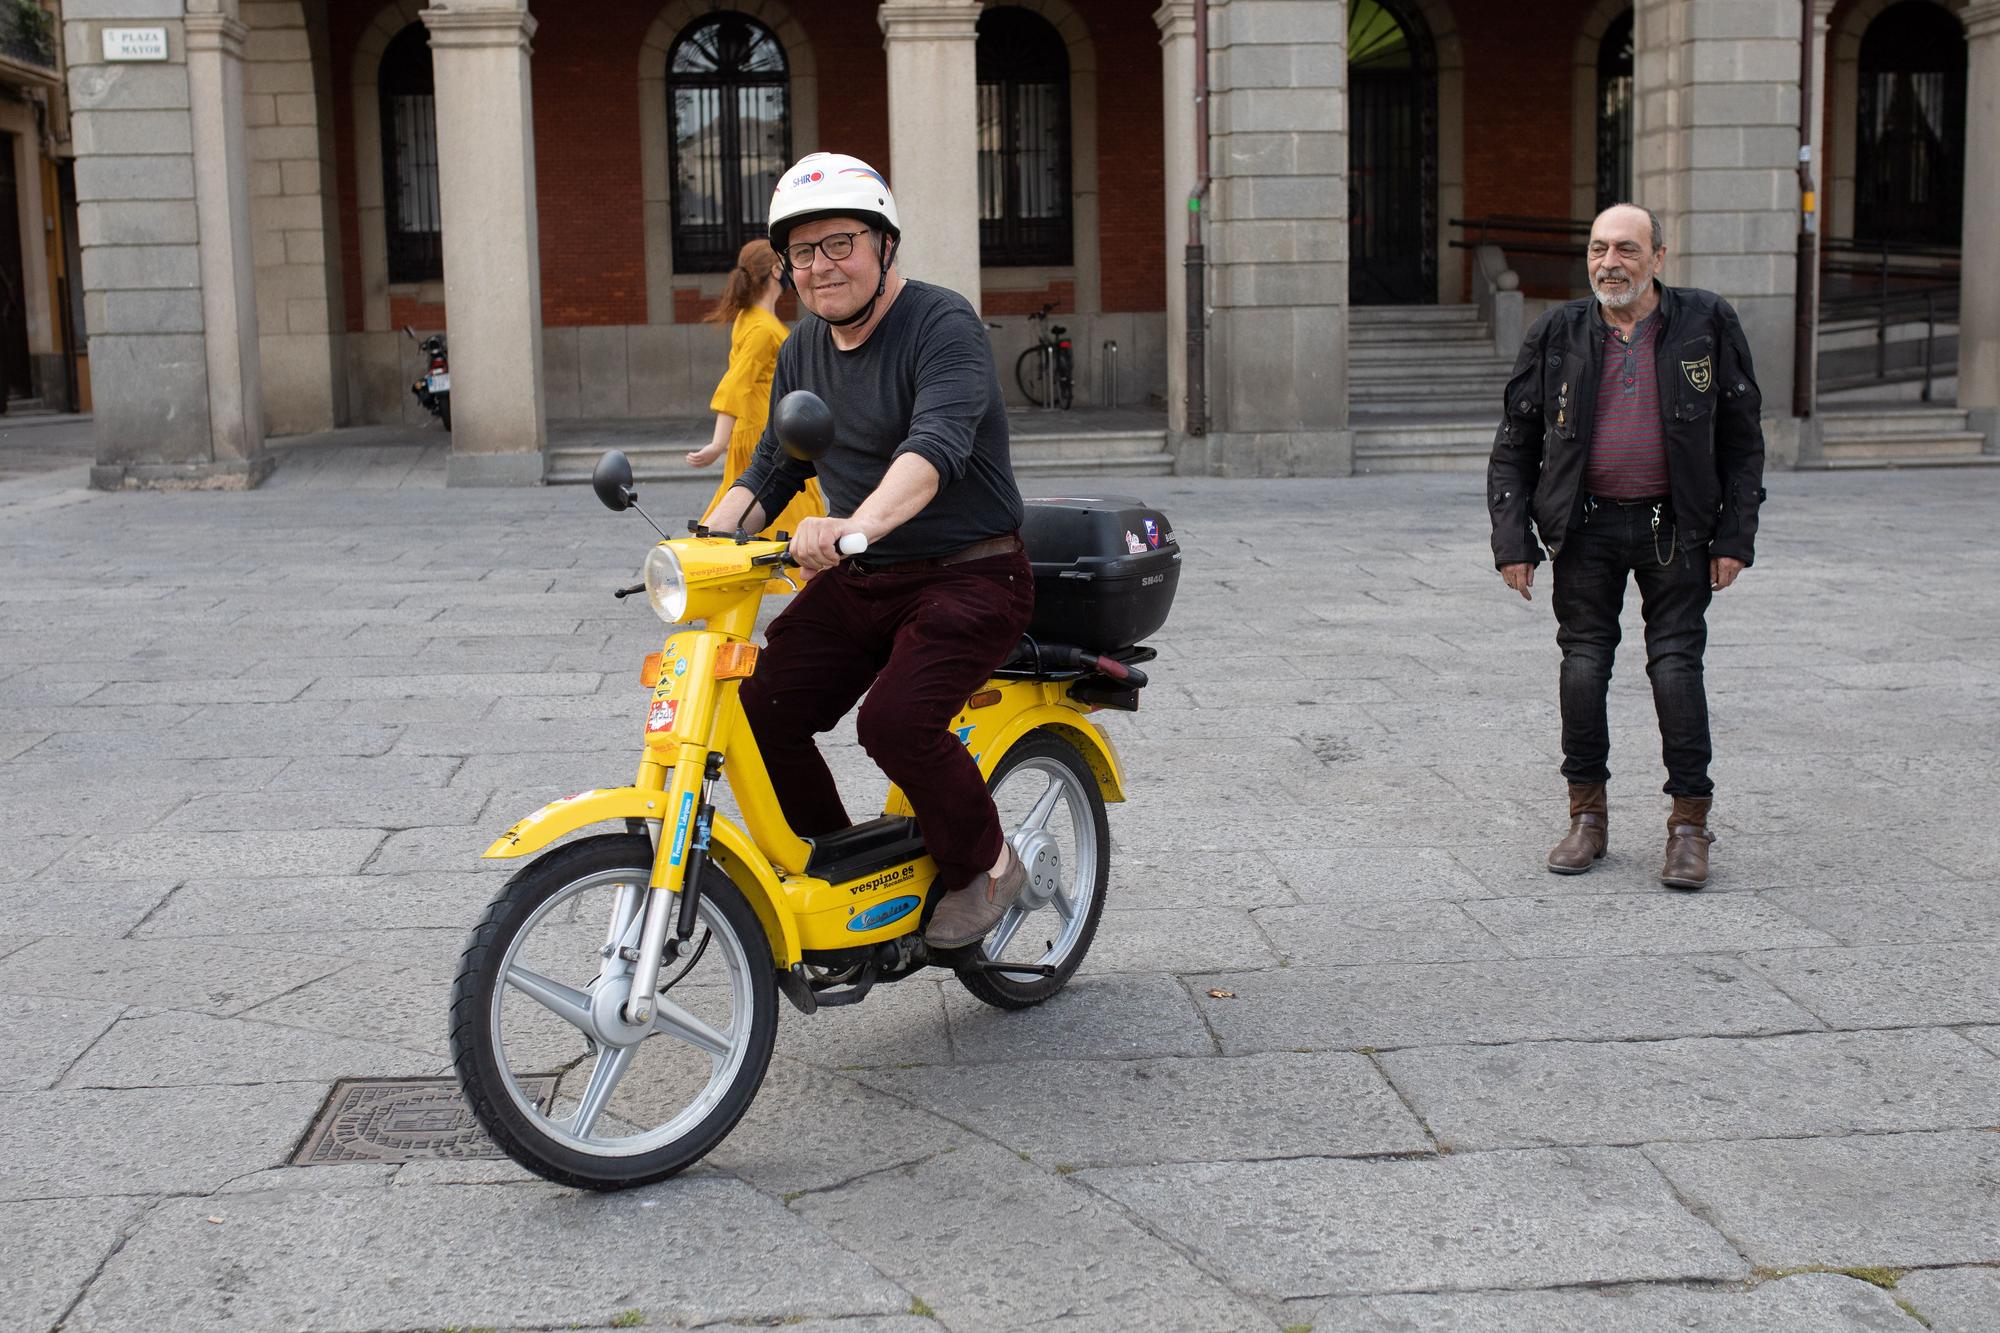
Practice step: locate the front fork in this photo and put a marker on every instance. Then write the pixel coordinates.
(670, 863)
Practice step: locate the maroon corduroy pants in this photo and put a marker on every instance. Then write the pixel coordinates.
(918, 642)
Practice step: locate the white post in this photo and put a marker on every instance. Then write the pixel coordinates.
(492, 267)
(934, 138)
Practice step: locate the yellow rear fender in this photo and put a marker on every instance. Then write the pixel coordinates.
(728, 846)
(991, 733)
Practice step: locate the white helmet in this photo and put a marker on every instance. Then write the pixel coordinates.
(831, 185)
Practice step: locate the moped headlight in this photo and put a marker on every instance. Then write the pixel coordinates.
(666, 585)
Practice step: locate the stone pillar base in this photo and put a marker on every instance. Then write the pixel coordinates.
(1985, 420)
(512, 469)
(1317, 453)
(229, 474)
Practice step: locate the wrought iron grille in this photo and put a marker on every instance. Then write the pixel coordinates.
(1392, 155)
(729, 96)
(1614, 113)
(1910, 143)
(1025, 214)
(411, 214)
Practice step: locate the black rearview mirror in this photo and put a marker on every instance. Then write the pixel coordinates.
(804, 425)
(612, 480)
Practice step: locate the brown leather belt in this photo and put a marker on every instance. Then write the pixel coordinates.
(992, 546)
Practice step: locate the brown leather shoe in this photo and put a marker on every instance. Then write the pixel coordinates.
(966, 915)
(1687, 844)
(1589, 830)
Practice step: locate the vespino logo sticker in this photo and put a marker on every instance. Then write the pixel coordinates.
(881, 914)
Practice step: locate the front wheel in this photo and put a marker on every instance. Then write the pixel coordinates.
(1053, 815)
(549, 1065)
(1031, 372)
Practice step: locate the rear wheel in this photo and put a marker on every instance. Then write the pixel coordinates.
(1053, 815)
(544, 1055)
(1031, 372)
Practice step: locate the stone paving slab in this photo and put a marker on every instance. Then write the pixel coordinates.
(1953, 1300)
(1094, 1018)
(1820, 1302)
(263, 852)
(217, 979)
(77, 907)
(1930, 1198)
(948, 1229)
(1088, 1113)
(1941, 911)
(41, 1037)
(1609, 925)
(1177, 940)
(208, 906)
(378, 808)
(1335, 934)
(1343, 875)
(1533, 1095)
(697, 1249)
(1454, 1003)
(1890, 986)
(99, 1143)
(169, 1049)
(1320, 1228)
(53, 1248)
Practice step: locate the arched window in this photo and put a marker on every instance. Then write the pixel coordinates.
(1614, 113)
(729, 95)
(410, 159)
(1024, 201)
(1909, 160)
(1392, 155)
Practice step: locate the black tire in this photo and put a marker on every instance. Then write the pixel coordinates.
(444, 408)
(480, 1063)
(1049, 751)
(1030, 372)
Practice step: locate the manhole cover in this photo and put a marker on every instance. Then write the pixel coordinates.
(402, 1120)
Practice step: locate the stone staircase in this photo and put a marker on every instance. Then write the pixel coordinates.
(1898, 435)
(1084, 442)
(1424, 384)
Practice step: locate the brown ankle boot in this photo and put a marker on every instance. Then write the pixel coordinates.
(1588, 830)
(1687, 844)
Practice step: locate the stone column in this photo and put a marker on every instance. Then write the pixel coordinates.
(164, 225)
(1979, 289)
(934, 137)
(1176, 21)
(1716, 148)
(1277, 242)
(492, 266)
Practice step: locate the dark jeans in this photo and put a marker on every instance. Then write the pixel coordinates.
(1590, 575)
(925, 639)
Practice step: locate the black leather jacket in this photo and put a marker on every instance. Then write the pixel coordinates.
(1709, 423)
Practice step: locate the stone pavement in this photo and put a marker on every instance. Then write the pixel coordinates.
(1344, 1056)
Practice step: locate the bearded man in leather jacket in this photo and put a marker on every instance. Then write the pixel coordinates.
(1631, 446)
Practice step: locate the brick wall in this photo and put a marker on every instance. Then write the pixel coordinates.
(587, 146)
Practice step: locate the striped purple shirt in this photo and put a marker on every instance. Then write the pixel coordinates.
(1628, 459)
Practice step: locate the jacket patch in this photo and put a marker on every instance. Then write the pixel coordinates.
(1700, 374)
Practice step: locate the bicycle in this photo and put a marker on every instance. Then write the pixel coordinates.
(1046, 370)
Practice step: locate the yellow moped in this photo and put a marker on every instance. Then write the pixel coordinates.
(615, 1009)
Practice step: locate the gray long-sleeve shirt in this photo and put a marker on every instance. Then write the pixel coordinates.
(923, 383)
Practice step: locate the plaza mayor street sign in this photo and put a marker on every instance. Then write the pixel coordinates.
(135, 44)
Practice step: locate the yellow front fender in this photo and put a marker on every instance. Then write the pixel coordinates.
(728, 846)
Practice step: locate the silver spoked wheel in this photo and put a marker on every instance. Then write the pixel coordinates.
(549, 1061)
(1053, 814)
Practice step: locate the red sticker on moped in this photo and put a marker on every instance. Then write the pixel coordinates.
(662, 716)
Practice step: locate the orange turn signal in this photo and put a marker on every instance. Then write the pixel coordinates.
(649, 670)
(735, 661)
(983, 699)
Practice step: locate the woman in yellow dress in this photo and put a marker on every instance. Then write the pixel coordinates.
(742, 400)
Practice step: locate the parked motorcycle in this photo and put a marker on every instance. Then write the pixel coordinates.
(614, 1011)
(433, 387)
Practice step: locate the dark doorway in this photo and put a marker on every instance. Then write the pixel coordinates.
(18, 377)
(1909, 159)
(1614, 113)
(1391, 155)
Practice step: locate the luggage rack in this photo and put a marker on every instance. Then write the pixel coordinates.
(1025, 662)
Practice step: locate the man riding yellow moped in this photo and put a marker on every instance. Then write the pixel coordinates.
(615, 1010)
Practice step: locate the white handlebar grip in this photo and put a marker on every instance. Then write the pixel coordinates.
(854, 543)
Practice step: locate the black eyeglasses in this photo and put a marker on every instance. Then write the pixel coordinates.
(835, 247)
